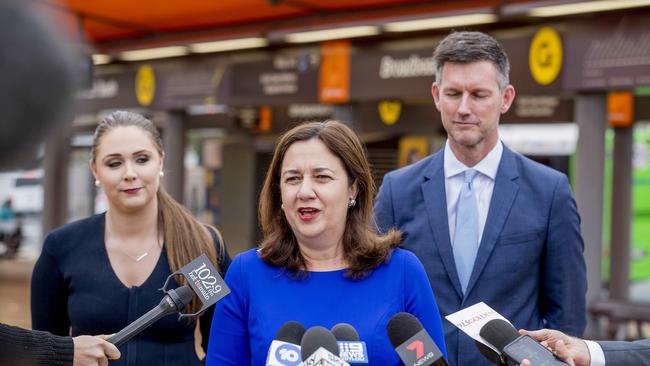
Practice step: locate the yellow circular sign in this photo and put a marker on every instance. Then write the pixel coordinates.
(145, 85)
(389, 111)
(545, 55)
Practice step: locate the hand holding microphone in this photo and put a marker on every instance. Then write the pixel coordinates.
(516, 348)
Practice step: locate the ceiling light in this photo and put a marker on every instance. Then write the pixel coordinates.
(228, 45)
(585, 7)
(153, 53)
(101, 59)
(335, 33)
(440, 22)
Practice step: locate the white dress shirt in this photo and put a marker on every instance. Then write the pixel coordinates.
(596, 353)
(483, 185)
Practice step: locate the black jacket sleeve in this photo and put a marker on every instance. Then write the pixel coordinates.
(34, 348)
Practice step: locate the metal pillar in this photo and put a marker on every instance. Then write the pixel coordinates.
(619, 282)
(174, 144)
(591, 117)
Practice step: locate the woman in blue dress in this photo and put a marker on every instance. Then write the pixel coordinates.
(99, 274)
(321, 261)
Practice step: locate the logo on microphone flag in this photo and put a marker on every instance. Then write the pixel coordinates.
(204, 279)
(416, 346)
(288, 354)
(419, 350)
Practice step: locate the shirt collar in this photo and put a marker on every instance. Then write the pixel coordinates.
(488, 166)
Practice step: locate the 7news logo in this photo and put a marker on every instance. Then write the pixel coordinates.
(416, 346)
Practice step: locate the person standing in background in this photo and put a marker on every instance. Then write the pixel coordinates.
(487, 223)
(99, 274)
(321, 260)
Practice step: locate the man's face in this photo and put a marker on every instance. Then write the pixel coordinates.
(470, 104)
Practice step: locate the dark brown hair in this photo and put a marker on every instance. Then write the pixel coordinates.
(363, 247)
(184, 236)
(466, 47)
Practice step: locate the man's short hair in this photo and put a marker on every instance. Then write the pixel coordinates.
(465, 47)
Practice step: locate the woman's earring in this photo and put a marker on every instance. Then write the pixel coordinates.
(352, 202)
(97, 183)
(162, 174)
(282, 206)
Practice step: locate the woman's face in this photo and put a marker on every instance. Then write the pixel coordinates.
(315, 193)
(128, 165)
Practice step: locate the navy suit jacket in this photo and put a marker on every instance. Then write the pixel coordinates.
(530, 266)
(626, 353)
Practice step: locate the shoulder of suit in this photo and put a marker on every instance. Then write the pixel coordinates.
(528, 166)
(416, 169)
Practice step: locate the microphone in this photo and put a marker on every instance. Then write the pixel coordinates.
(319, 347)
(489, 353)
(38, 70)
(412, 342)
(515, 347)
(173, 301)
(285, 348)
(351, 349)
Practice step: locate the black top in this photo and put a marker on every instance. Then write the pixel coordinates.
(75, 287)
(34, 348)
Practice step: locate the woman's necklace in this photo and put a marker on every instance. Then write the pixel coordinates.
(143, 255)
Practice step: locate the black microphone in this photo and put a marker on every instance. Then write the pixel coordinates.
(412, 342)
(319, 347)
(515, 347)
(489, 353)
(173, 301)
(351, 349)
(285, 348)
(37, 82)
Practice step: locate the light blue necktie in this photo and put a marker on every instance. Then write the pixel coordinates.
(466, 236)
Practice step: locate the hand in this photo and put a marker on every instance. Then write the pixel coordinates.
(93, 351)
(571, 350)
(561, 352)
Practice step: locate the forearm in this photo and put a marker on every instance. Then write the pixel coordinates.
(34, 348)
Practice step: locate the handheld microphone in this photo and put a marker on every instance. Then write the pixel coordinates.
(488, 353)
(319, 347)
(515, 347)
(412, 342)
(351, 349)
(173, 301)
(285, 348)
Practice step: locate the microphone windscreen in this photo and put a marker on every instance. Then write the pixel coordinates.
(488, 353)
(345, 332)
(181, 296)
(401, 327)
(290, 332)
(37, 81)
(316, 337)
(499, 333)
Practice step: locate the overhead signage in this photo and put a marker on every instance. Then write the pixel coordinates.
(545, 56)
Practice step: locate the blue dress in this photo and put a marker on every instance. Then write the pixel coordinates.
(264, 297)
(74, 287)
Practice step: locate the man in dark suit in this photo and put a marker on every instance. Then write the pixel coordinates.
(579, 352)
(487, 223)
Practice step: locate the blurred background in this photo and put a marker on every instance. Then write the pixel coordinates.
(222, 79)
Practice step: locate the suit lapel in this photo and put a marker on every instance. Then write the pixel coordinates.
(503, 196)
(435, 200)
